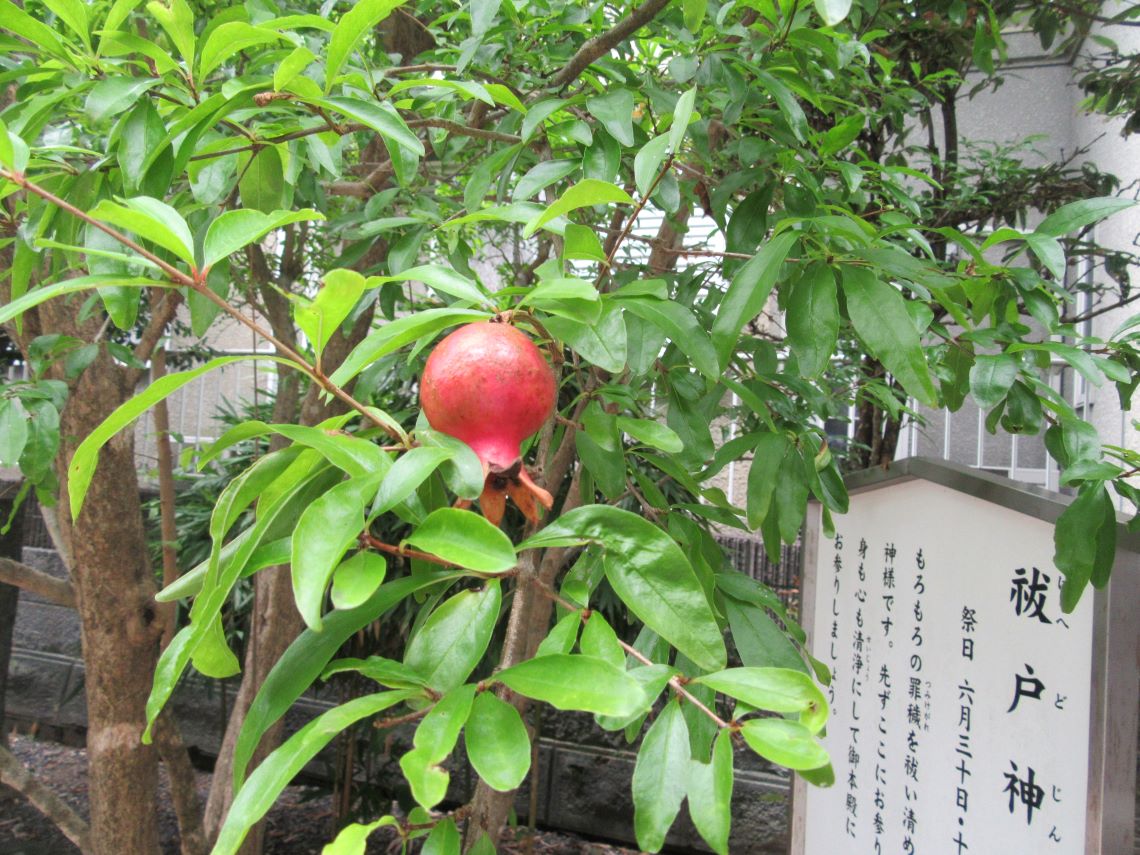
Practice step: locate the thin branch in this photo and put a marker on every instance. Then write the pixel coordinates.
(674, 682)
(58, 591)
(665, 167)
(197, 283)
(170, 270)
(464, 130)
(15, 775)
(162, 314)
(602, 44)
(166, 497)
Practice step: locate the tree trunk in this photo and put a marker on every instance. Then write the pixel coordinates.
(120, 632)
(275, 621)
(9, 548)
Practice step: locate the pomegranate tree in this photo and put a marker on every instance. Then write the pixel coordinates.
(488, 385)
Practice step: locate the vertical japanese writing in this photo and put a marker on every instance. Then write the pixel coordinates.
(860, 652)
(969, 625)
(917, 708)
(1029, 590)
(833, 657)
(878, 823)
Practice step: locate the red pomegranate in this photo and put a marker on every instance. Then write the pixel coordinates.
(489, 386)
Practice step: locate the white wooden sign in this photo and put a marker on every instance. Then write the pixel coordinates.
(962, 697)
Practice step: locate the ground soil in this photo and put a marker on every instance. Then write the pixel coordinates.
(301, 821)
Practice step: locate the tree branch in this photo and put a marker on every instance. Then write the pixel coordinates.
(600, 45)
(16, 775)
(58, 591)
(161, 315)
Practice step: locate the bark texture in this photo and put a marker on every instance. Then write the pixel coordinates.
(114, 587)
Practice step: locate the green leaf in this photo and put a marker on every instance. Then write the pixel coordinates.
(234, 230)
(443, 840)
(787, 743)
(142, 133)
(356, 579)
(291, 66)
(562, 636)
(541, 175)
(786, 101)
(404, 478)
(682, 328)
(395, 334)
(437, 734)
(228, 39)
(452, 640)
(587, 192)
(652, 433)
(462, 472)
(878, 312)
(497, 743)
(1075, 541)
(563, 288)
(267, 781)
(1081, 441)
(832, 11)
(44, 293)
(813, 320)
(177, 19)
(339, 293)
(748, 293)
(13, 431)
(648, 162)
(114, 95)
(1049, 252)
(443, 280)
(386, 672)
(36, 32)
(483, 14)
(1084, 212)
(151, 220)
(569, 682)
(760, 643)
(353, 25)
(213, 658)
(660, 777)
(352, 839)
(615, 111)
(427, 780)
(538, 114)
(651, 575)
(709, 791)
(86, 458)
(991, 379)
(382, 117)
(580, 242)
(465, 88)
(262, 182)
(768, 454)
(780, 690)
(683, 111)
(465, 539)
(600, 641)
(327, 528)
(13, 150)
(304, 660)
(602, 344)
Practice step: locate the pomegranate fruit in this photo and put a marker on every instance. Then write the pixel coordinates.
(488, 385)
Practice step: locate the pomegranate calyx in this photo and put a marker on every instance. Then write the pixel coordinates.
(515, 482)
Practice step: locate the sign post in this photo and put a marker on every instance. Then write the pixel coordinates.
(968, 713)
